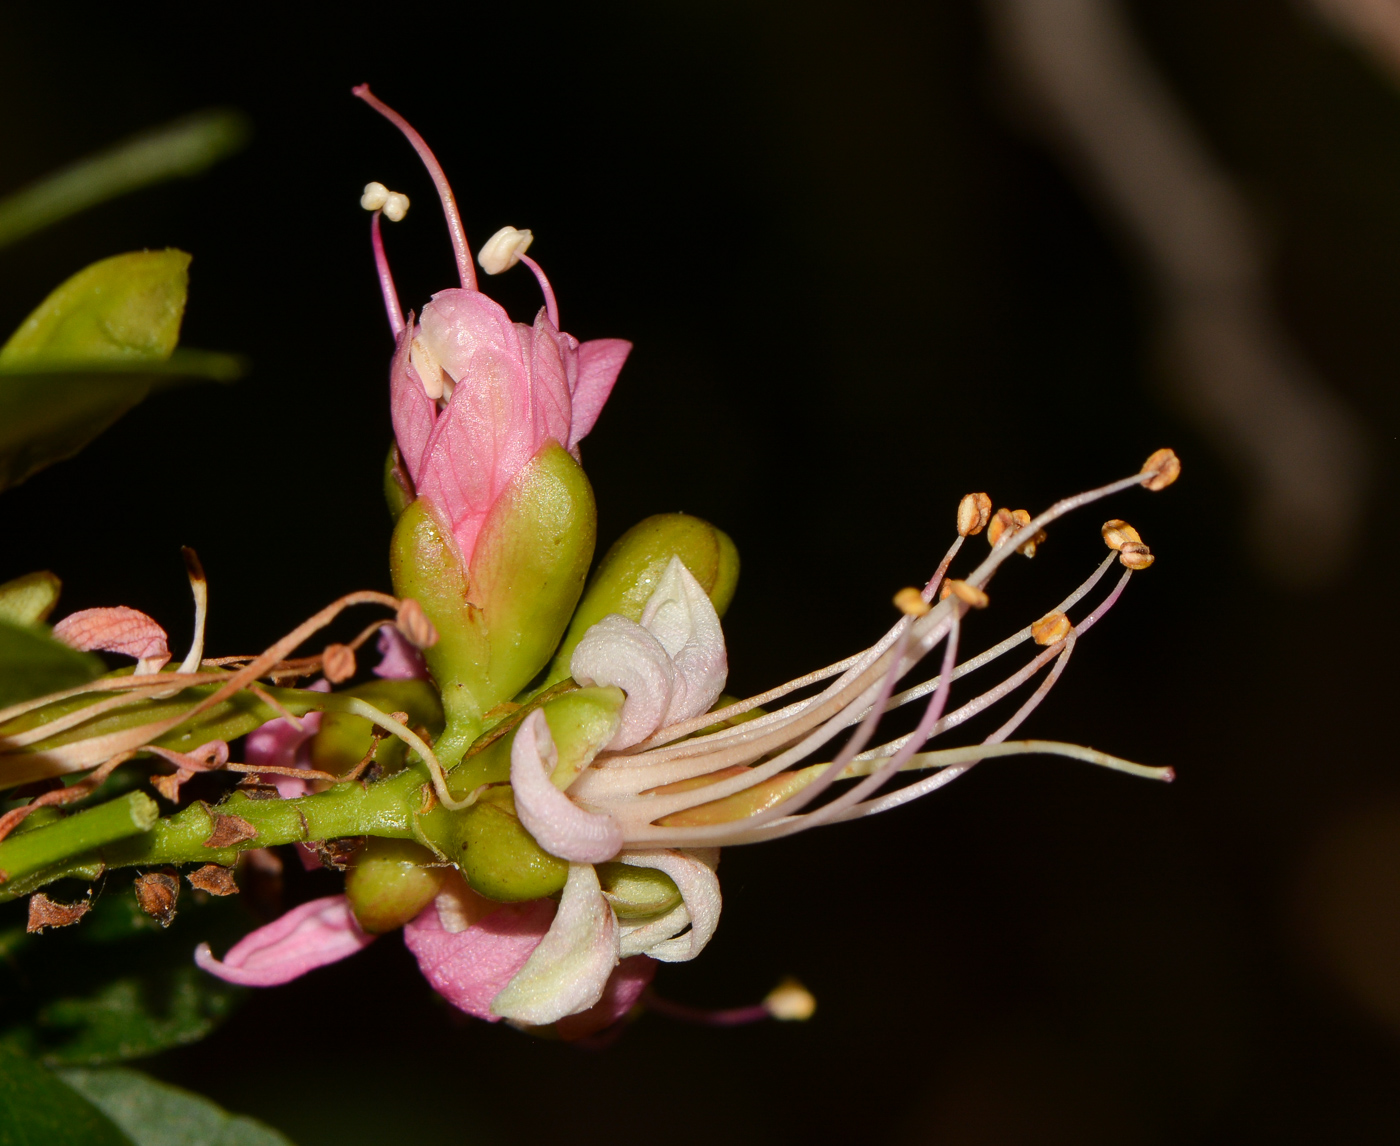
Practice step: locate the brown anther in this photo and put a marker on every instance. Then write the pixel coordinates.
(1008, 522)
(338, 663)
(1135, 555)
(1160, 470)
(911, 603)
(156, 893)
(968, 594)
(213, 878)
(974, 511)
(1117, 533)
(229, 830)
(413, 623)
(44, 912)
(1051, 628)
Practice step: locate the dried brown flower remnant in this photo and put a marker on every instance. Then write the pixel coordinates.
(44, 912)
(337, 854)
(911, 603)
(1052, 628)
(1118, 532)
(229, 830)
(338, 663)
(413, 623)
(1161, 469)
(974, 511)
(214, 879)
(156, 893)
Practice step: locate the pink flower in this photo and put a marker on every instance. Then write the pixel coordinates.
(474, 396)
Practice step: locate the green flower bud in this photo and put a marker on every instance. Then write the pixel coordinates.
(499, 858)
(631, 568)
(637, 892)
(500, 618)
(390, 883)
(344, 738)
(30, 599)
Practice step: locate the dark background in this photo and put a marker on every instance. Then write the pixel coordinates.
(858, 288)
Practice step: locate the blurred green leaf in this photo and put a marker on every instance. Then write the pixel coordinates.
(157, 1114)
(33, 663)
(29, 599)
(182, 148)
(38, 1109)
(115, 986)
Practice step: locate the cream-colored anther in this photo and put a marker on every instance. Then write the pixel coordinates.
(967, 594)
(1051, 628)
(375, 196)
(503, 249)
(974, 511)
(395, 206)
(790, 1002)
(1117, 533)
(911, 603)
(1135, 555)
(428, 367)
(1161, 469)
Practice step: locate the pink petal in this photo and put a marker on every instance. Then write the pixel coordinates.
(680, 615)
(470, 968)
(310, 936)
(558, 825)
(625, 986)
(279, 744)
(414, 413)
(620, 652)
(569, 970)
(599, 361)
(116, 630)
(398, 660)
(549, 381)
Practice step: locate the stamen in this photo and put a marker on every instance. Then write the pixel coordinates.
(974, 511)
(460, 249)
(199, 586)
(430, 371)
(789, 1001)
(1135, 555)
(377, 197)
(1161, 469)
(1051, 629)
(386, 279)
(911, 603)
(504, 249)
(551, 307)
(1117, 532)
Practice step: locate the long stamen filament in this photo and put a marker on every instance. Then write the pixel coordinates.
(390, 292)
(551, 307)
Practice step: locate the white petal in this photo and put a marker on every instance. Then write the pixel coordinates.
(620, 652)
(559, 825)
(567, 972)
(682, 617)
(699, 890)
(639, 939)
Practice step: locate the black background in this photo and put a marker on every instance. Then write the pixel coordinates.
(857, 288)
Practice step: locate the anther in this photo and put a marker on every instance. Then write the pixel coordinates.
(428, 368)
(1161, 469)
(911, 603)
(1117, 533)
(974, 511)
(377, 197)
(1135, 555)
(413, 623)
(1009, 521)
(1051, 629)
(503, 249)
(338, 663)
(967, 594)
(790, 1002)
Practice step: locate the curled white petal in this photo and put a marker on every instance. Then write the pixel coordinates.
(680, 614)
(639, 939)
(558, 825)
(620, 652)
(503, 249)
(699, 888)
(567, 972)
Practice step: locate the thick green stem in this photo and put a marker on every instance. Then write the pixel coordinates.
(131, 815)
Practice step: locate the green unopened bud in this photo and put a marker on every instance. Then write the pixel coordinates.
(29, 599)
(637, 892)
(631, 568)
(498, 621)
(390, 883)
(499, 858)
(344, 739)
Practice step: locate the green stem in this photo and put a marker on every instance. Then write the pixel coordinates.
(131, 815)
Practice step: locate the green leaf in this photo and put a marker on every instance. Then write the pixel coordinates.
(157, 1114)
(32, 663)
(29, 599)
(182, 148)
(38, 1109)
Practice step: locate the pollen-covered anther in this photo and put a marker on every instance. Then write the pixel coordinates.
(1006, 523)
(911, 603)
(1135, 555)
(413, 623)
(429, 370)
(1051, 629)
(503, 249)
(790, 1002)
(974, 511)
(338, 663)
(1117, 533)
(377, 197)
(967, 594)
(1161, 469)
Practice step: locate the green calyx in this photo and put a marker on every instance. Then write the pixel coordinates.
(498, 620)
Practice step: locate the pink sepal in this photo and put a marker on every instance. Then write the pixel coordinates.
(310, 936)
(625, 986)
(599, 362)
(414, 413)
(471, 967)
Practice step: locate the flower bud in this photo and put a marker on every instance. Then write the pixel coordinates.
(633, 566)
(974, 511)
(499, 858)
(28, 600)
(637, 892)
(390, 883)
(503, 249)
